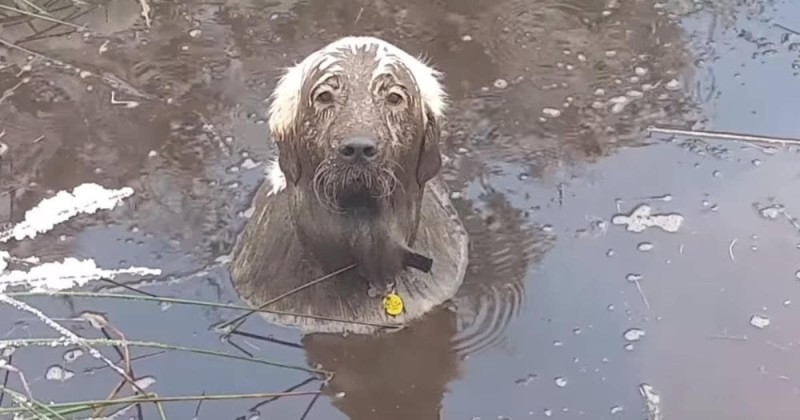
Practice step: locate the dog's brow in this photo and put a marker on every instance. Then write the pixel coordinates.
(286, 97)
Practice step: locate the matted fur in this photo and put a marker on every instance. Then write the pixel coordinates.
(286, 96)
(271, 257)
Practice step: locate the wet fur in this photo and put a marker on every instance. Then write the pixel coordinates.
(365, 214)
(391, 217)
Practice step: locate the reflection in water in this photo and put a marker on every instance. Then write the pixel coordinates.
(503, 247)
(403, 375)
(537, 86)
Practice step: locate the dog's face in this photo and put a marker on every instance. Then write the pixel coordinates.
(357, 120)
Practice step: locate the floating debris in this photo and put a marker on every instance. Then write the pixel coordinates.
(642, 217)
(72, 355)
(526, 380)
(58, 374)
(561, 381)
(645, 246)
(636, 94)
(500, 84)
(634, 334)
(759, 321)
(634, 277)
(194, 33)
(249, 164)
(128, 104)
(771, 212)
(721, 135)
(551, 112)
(616, 409)
(96, 320)
(145, 382)
(673, 85)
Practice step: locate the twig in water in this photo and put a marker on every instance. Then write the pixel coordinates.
(726, 136)
(145, 11)
(49, 342)
(5, 379)
(730, 250)
(197, 409)
(14, 46)
(126, 287)
(90, 370)
(641, 293)
(68, 336)
(32, 5)
(43, 17)
(311, 404)
(147, 298)
(23, 401)
(78, 406)
(240, 319)
(729, 337)
(777, 346)
(290, 389)
(238, 347)
(128, 104)
(125, 356)
(787, 29)
(267, 339)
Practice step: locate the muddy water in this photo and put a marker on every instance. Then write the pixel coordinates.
(564, 313)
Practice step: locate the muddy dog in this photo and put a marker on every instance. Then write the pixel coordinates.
(355, 191)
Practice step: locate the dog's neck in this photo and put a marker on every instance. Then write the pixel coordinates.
(376, 238)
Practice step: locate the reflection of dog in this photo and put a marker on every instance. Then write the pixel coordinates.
(357, 129)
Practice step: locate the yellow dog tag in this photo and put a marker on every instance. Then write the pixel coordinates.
(393, 304)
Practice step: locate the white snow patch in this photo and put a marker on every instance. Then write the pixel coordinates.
(85, 198)
(72, 272)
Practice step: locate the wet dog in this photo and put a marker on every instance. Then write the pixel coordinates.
(357, 127)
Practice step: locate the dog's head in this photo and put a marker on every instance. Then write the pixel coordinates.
(357, 119)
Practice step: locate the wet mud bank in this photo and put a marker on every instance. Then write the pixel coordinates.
(614, 274)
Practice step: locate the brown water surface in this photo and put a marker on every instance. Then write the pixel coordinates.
(563, 314)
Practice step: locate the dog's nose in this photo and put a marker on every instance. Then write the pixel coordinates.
(358, 148)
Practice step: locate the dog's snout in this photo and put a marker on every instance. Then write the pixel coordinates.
(358, 149)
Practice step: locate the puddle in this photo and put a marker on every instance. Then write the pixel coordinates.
(129, 155)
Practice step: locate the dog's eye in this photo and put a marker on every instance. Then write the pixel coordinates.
(394, 98)
(325, 97)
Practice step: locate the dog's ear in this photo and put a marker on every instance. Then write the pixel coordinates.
(430, 158)
(287, 160)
